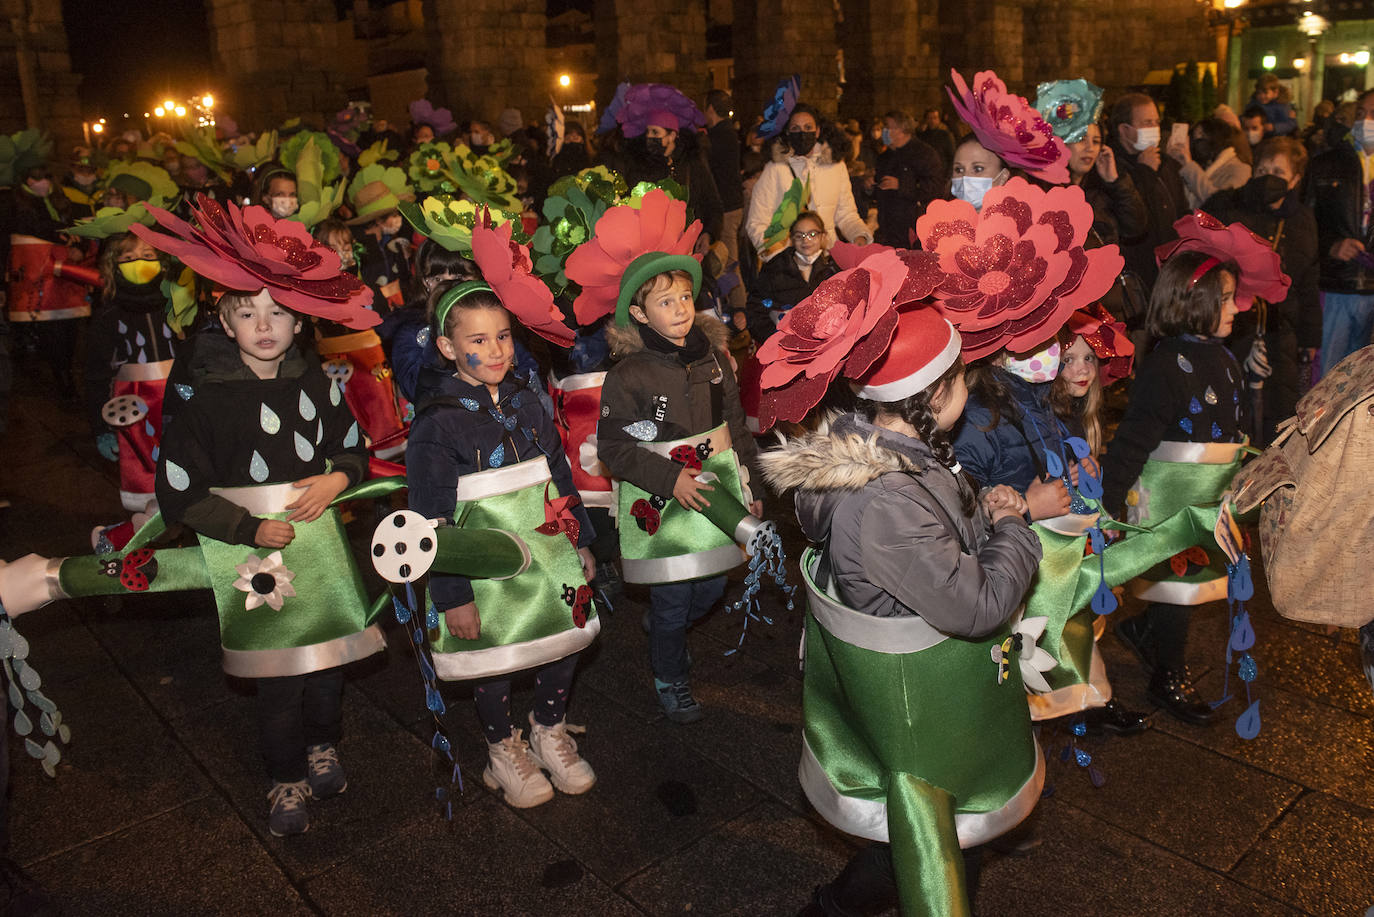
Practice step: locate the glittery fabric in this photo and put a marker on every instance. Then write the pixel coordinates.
(249, 250)
(1008, 126)
(1016, 271)
(1261, 271)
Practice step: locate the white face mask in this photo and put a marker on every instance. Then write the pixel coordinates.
(1364, 134)
(1146, 137)
(972, 188)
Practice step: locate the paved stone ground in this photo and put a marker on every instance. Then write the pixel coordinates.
(159, 806)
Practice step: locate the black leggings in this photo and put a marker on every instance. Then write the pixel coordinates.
(294, 713)
(551, 686)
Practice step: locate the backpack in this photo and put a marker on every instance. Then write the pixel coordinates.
(1316, 525)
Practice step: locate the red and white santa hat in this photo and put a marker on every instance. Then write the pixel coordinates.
(923, 347)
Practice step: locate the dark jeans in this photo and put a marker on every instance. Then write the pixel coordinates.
(295, 712)
(867, 884)
(672, 608)
(551, 686)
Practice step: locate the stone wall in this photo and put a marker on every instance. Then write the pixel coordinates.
(276, 59)
(488, 55)
(37, 86)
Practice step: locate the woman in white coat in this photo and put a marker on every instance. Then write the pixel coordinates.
(801, 155)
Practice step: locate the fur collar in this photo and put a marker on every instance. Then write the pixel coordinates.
(840, 456)
(625, 340)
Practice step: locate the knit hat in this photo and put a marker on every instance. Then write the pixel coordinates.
(924, 345)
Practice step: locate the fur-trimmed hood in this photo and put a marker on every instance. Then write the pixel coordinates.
(843, 456)
(626, 339)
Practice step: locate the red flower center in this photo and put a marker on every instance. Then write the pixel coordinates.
(993, 282)
(832, 321)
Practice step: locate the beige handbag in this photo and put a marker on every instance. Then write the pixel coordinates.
(1317, 523)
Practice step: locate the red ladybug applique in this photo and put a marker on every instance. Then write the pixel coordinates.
(686, 455)
(645, 516)
(138, 570)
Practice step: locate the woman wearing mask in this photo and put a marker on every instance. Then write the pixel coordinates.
(1276, 352)
(1208, 162)
(277, 192)
(800, 155)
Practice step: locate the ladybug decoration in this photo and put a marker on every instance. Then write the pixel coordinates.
(579, 600)
(1189, 561)
(645, 515)
(686, 455)
(138, 570)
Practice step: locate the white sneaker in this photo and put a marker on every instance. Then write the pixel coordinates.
(511, 770)
(554, 750)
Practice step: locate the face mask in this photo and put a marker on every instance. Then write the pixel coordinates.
(1145, 138)
(1041, 366)
(1363, 132)
(283, 206)
(142, 271)
(1267, 189)
(887, 137)
(1254, 137)
(41, 188)
(801, 142)
(972, 188)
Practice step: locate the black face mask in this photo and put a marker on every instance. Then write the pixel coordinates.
(1202, 151)
(1267, 190)
(801, 142)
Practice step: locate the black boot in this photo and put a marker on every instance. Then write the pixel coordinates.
(1115, 719)
(1173, 690)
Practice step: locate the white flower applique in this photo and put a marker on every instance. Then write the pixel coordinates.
(1023, 645)
(266, 580)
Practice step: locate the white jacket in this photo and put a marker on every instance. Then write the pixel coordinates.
(832, 198)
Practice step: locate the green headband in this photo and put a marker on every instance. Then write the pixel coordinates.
(450, 299)
(645, 268)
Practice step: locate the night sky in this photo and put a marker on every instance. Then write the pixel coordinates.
(132, 54)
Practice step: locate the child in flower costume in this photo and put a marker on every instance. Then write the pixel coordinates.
(670, 414)
(917, 733)
(484, 452)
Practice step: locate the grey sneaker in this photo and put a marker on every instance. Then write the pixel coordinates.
(677, 701)
(324, 772)
(288, 814)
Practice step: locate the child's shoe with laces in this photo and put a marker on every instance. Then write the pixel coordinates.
(512, 770)
(555, 751)
(323, 771)
(288, 814)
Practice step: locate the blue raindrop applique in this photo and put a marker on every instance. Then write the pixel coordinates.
(1186, 425)
(257, 468)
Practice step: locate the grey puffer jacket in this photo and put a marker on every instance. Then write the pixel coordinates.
(889, 514)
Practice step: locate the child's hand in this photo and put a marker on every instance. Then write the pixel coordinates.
(273, 533)
(320, 491)
(688, 491)
(1001, 498)
(1047, 499)
(464, 622)
(588, 563)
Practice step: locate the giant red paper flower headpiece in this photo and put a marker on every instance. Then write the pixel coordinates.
(1261, 270)
(1009, 126)
(248, 250)
(843, 327)
(506, 266)
(621, 235)
(1016, 270)
(1108, 339)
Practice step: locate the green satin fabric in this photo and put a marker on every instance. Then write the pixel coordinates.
(912, 727)
(681, 531)
(529, 606)
(330, 600)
